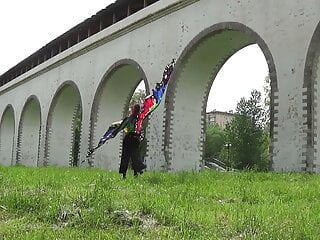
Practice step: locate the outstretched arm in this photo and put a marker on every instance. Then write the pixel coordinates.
(112, 131)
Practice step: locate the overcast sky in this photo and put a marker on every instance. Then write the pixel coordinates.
(243, 72)
(26, 26)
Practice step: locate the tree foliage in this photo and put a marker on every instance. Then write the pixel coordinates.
(77, 122)
(137, 97)
(247, 135)
(215, 139)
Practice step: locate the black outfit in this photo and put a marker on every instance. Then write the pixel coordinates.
(130, 150)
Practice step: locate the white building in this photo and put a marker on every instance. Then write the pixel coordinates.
(220, 118)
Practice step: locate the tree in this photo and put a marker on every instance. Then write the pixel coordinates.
(253, 109)
(215, 138)
(246, 132)
(77, 121)
(264, 164)
(137, 97)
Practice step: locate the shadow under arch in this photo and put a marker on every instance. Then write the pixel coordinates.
(7, 132)
(311, 96)
(60, 127)
(199, 63)
(110, 104)
(29, 131)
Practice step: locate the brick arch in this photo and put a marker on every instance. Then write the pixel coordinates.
(29, 133)
(310, 103)
(7, 132)
(194, 74)
(60, 125)
(111, 103)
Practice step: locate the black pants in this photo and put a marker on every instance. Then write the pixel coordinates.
(130, 150)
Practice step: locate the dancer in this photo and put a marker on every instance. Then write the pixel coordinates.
(132, 125)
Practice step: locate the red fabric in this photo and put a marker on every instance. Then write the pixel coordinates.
(148, 103)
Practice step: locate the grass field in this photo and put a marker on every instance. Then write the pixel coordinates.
(72, 203)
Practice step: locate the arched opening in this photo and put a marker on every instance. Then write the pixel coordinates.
(311, 96)
(188, 91)
(238, 113)
(29, 133)
(7, 126)
(64, 114)
(111, 104)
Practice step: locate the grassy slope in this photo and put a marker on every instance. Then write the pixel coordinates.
(71, 203)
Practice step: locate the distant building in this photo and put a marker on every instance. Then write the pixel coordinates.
(220, 118)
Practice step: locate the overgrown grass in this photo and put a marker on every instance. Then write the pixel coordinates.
(72, 203)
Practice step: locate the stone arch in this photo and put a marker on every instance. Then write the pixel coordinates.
(29, 133)
(310, 104)
(7, 131)
(184, 139)
(111, 103)
(60, 126)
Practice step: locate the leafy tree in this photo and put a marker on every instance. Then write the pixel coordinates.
(77, 133)
(252, 109)
(264, 164)
(137, 97)
(246, 134)
(215, 138)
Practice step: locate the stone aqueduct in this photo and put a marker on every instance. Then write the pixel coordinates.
(95, 67)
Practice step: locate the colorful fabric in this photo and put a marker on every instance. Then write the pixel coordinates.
(153, 101)
(150, 103)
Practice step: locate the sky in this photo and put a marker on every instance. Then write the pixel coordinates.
(26, 26)
(243, 72)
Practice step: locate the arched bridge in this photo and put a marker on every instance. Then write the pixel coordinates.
(93, 69)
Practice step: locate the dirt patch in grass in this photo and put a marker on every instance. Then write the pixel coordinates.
(4, 215)
(134, 218)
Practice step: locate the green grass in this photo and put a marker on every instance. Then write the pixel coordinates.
(72, 203)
